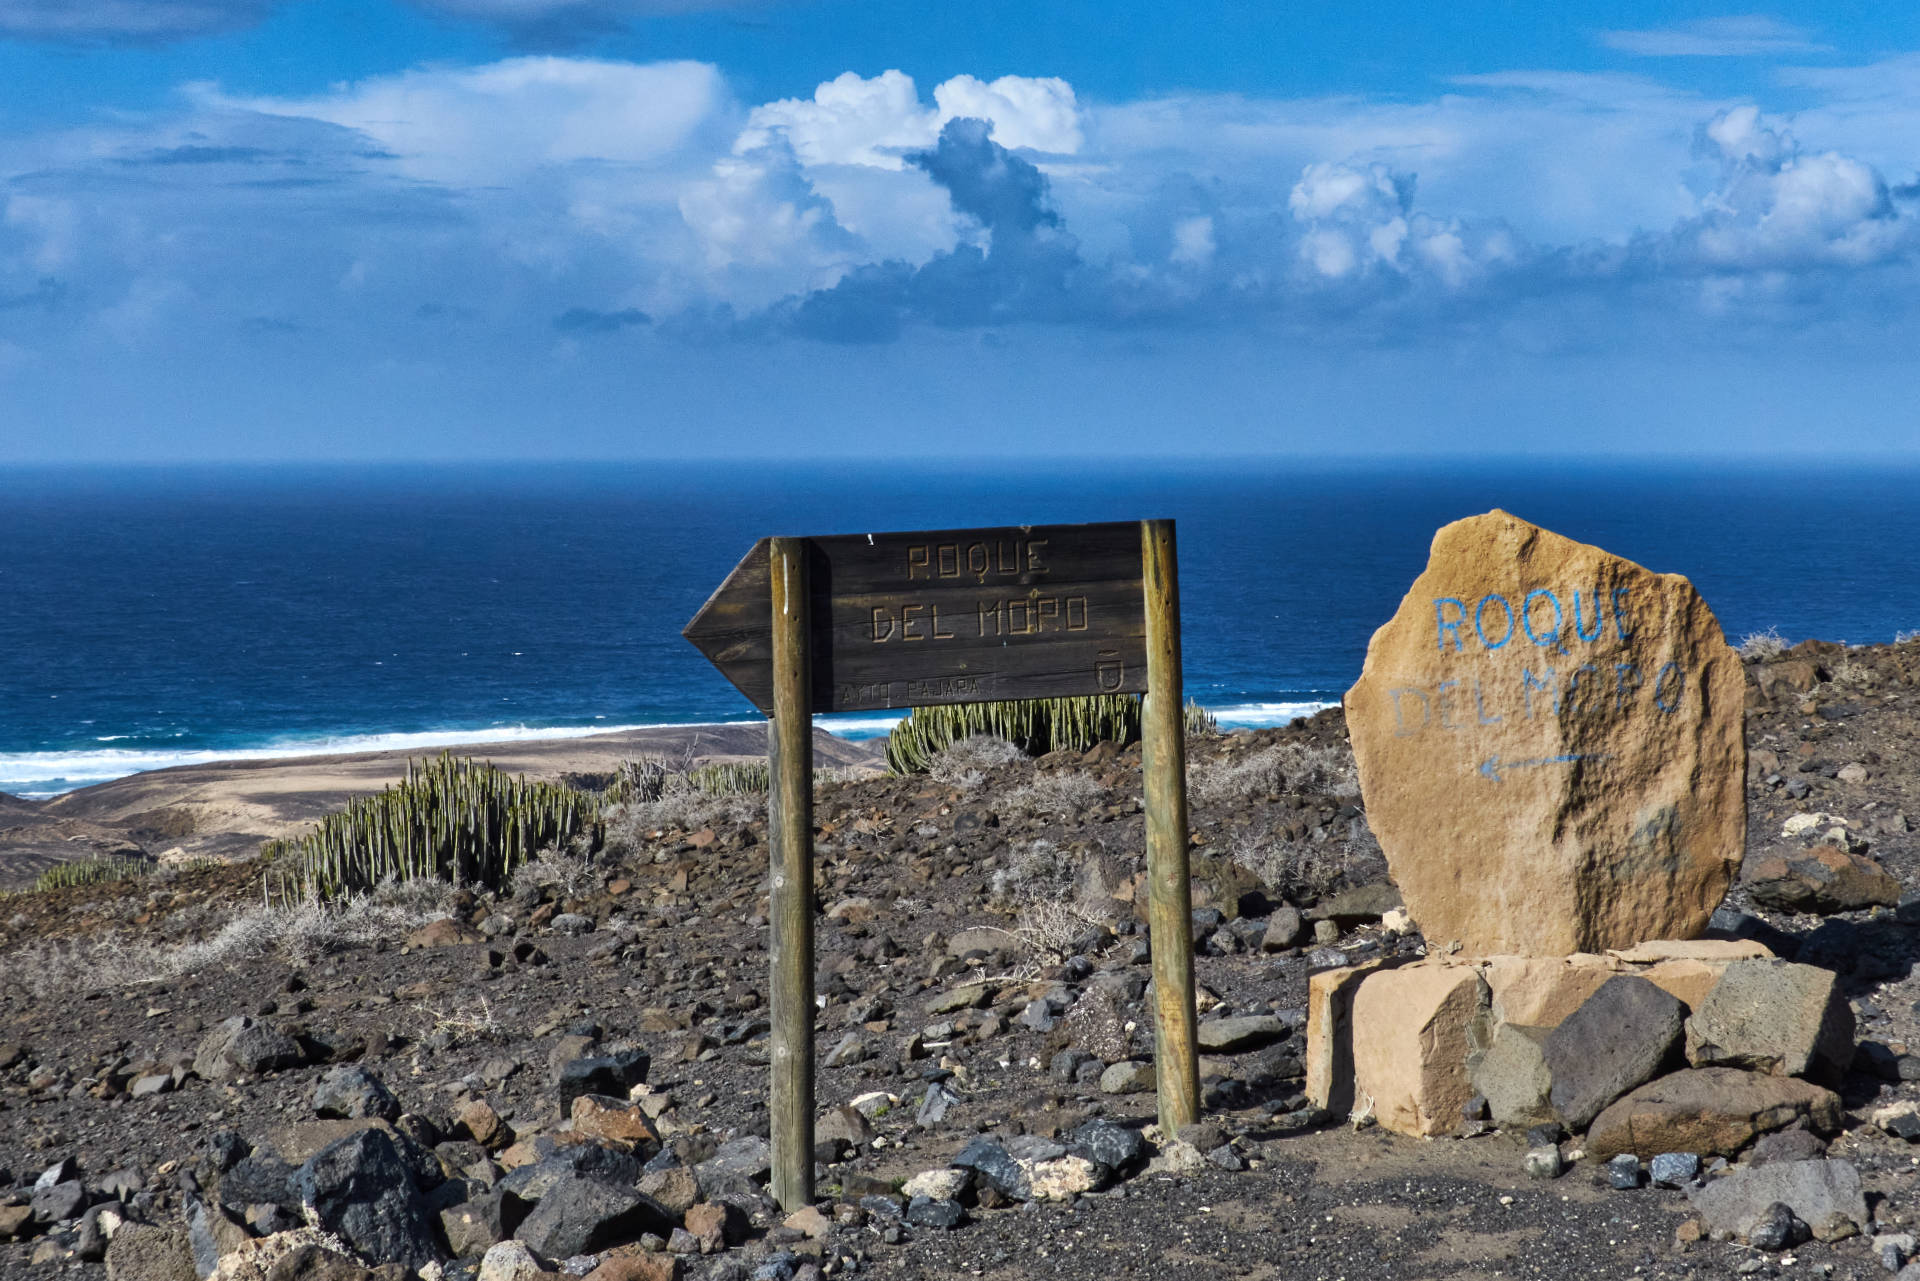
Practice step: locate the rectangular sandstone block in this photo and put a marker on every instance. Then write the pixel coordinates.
(1330, 1036)
(1413, 1030)
(1541, 991)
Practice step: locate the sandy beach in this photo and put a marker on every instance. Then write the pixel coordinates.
(226, 808)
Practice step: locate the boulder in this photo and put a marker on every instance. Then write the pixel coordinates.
(994, 1166)
(579, 1215)
(241, 1046)
(1825, 1195)
(1513, 1076)
(361, 1190)
(1550, 741)
(1823, 880)
(1774, 1016)
(1413, 1028)
(1618, 1038)
(1711, 1111)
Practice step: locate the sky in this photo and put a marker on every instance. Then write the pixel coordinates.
(261, 230)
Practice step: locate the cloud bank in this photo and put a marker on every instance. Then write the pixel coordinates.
(575, 202)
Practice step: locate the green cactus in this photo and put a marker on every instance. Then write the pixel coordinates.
(454, 819)
(1036, 726)
(92, 871)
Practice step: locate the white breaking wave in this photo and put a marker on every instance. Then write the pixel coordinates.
(38, 774)
(1265, 715)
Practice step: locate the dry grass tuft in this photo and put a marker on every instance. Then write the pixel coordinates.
(965, 761)
(299, 933)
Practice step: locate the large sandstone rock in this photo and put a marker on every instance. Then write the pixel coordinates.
(1774, 1016)
(1551, 746)
(1710, 1111)
(1413, 1029)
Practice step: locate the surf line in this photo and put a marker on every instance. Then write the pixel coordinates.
(1492, 766)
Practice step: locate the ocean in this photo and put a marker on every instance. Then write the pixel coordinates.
(170, 615)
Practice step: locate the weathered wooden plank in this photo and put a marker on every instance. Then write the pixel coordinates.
(946, 616)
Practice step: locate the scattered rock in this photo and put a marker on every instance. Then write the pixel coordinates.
(445, 932)
(1544, 1163)
(1674, 1169)
(607, 1074)
(143, 1252)
(1823, 1194)
(1824, 880)
(1513, 1077)
(1129, 1077)
(948, 1184)
(1624, 1172)
(350, 1091)
(1116, 1147)
(995, 1168)
(1237, 1035)
(615, 1123)
(1411, 1033)
(242, 1046)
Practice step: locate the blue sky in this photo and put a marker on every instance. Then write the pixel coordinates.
(318, 229)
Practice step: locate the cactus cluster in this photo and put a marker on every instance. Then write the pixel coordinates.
(453, 819)
(1037, 726)
(735, 778)
(92, 871)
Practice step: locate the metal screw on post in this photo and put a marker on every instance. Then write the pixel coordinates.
(790, 832)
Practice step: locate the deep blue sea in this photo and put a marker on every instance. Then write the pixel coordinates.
(166, 615)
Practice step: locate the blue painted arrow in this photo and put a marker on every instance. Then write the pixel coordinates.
(1491, 767)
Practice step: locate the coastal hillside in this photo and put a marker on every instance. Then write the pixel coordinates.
(566, 1076)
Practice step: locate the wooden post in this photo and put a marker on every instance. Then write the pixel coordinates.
(1163, 760)
(790, 905)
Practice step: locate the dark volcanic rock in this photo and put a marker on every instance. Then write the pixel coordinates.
(610, 1074)
(1616, 1040)
(361, 1190)
(580, 1215)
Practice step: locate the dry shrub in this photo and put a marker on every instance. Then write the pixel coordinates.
(1762, 645)
(1062, 792)
(1306, 868)
(570, 874)
(965, 761)
(1292, 765)
(300, 933)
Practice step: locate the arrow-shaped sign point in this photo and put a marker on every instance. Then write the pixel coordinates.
(1492, 766)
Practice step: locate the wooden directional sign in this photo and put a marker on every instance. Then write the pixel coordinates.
(859, 622)
(947, 616)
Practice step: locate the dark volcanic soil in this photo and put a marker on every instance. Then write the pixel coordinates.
(1033, 854)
